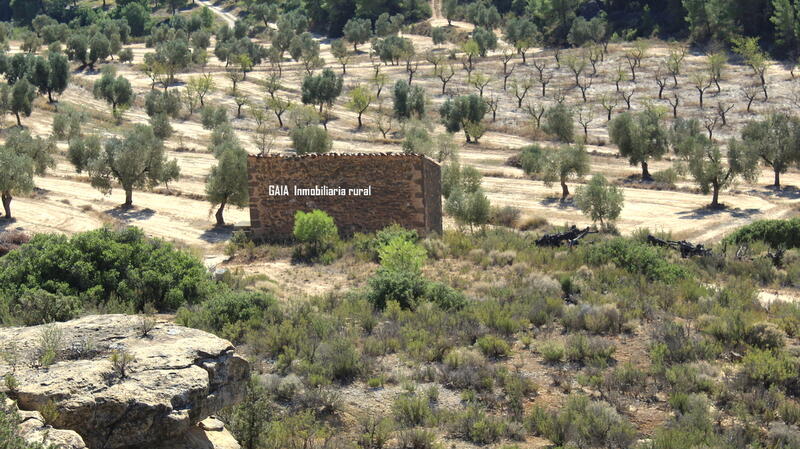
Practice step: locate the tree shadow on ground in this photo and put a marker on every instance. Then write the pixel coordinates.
(126, 214)
(707, 211)
(785, 192)
(217, 234)
(569, 203)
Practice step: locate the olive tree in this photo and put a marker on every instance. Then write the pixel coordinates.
(360, 99)
(558, 121)
(21, 100)
(569, 161)
(640, 137)
(600, 200)
(22, 157)
(357, 31)
(775, 140)
(115, 90)
(322, 89)
(409, 101)
(227, 182)
(134, 161)
(464, 113)
(705, 162)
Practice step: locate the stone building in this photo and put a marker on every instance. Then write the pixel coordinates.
(362, 192)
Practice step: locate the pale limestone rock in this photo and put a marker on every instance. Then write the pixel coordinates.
(180, 377)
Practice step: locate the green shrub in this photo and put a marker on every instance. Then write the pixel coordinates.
(339, 359)
(775, 233)
(465, 369)
(417, 439)
(675, 343)
(405, 288)
(317, 230)
(311, 139)
(230, 313)
(493, 347)
(96, 267)
(411, 410)
(475, 425)
(603, 319)
(637, 258)
(583, 423)
(589, 350)
(504, 216)
(444, 296)
(667, 177)
(371, 245)
(399, 254)
(552, 352)
(767, 368)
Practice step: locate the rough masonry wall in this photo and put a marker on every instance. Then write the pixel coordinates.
(397, 192)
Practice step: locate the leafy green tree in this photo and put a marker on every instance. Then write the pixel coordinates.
(392, 49)
(322, 89)
(409, 101)
(585, 31)
(311, 139)
(469, 208)
(173, 56)
(135, 161)
(227, 182)
(482, 14)
(340, 51)
(558, 121)
(704, 160)
(58, 74)
(360, 99)
(21, 101)
(78, 48)
(485, 39)
(710, 20)
(522, 33)
(449, 10)
(99, 49)
(357, 31)
(463, 113)
(115, 90)
(776, 141)
(600, 200)
(22, 157)
(569, 161)
(137, 16)
(640, 137)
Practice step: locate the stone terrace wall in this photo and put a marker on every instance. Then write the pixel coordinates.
(405, 189)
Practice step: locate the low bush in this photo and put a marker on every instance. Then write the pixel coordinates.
(9, 432)
(603, 319)
(97, 267)
(493, 347)
(591, 351)
(637, 258)
(466, 369)
(417, 439)
(583, 423)
(411, 410)
(444, 296)
(318, 232)
(507, 216)
(407, 289)
(475, 425)
(552, 352)
(775, 233)
(768, 368)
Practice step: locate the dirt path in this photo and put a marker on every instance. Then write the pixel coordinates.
(229, 18)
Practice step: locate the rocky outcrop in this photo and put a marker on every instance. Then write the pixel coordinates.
(177, 378)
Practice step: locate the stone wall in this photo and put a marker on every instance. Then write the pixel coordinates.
(403, 189)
